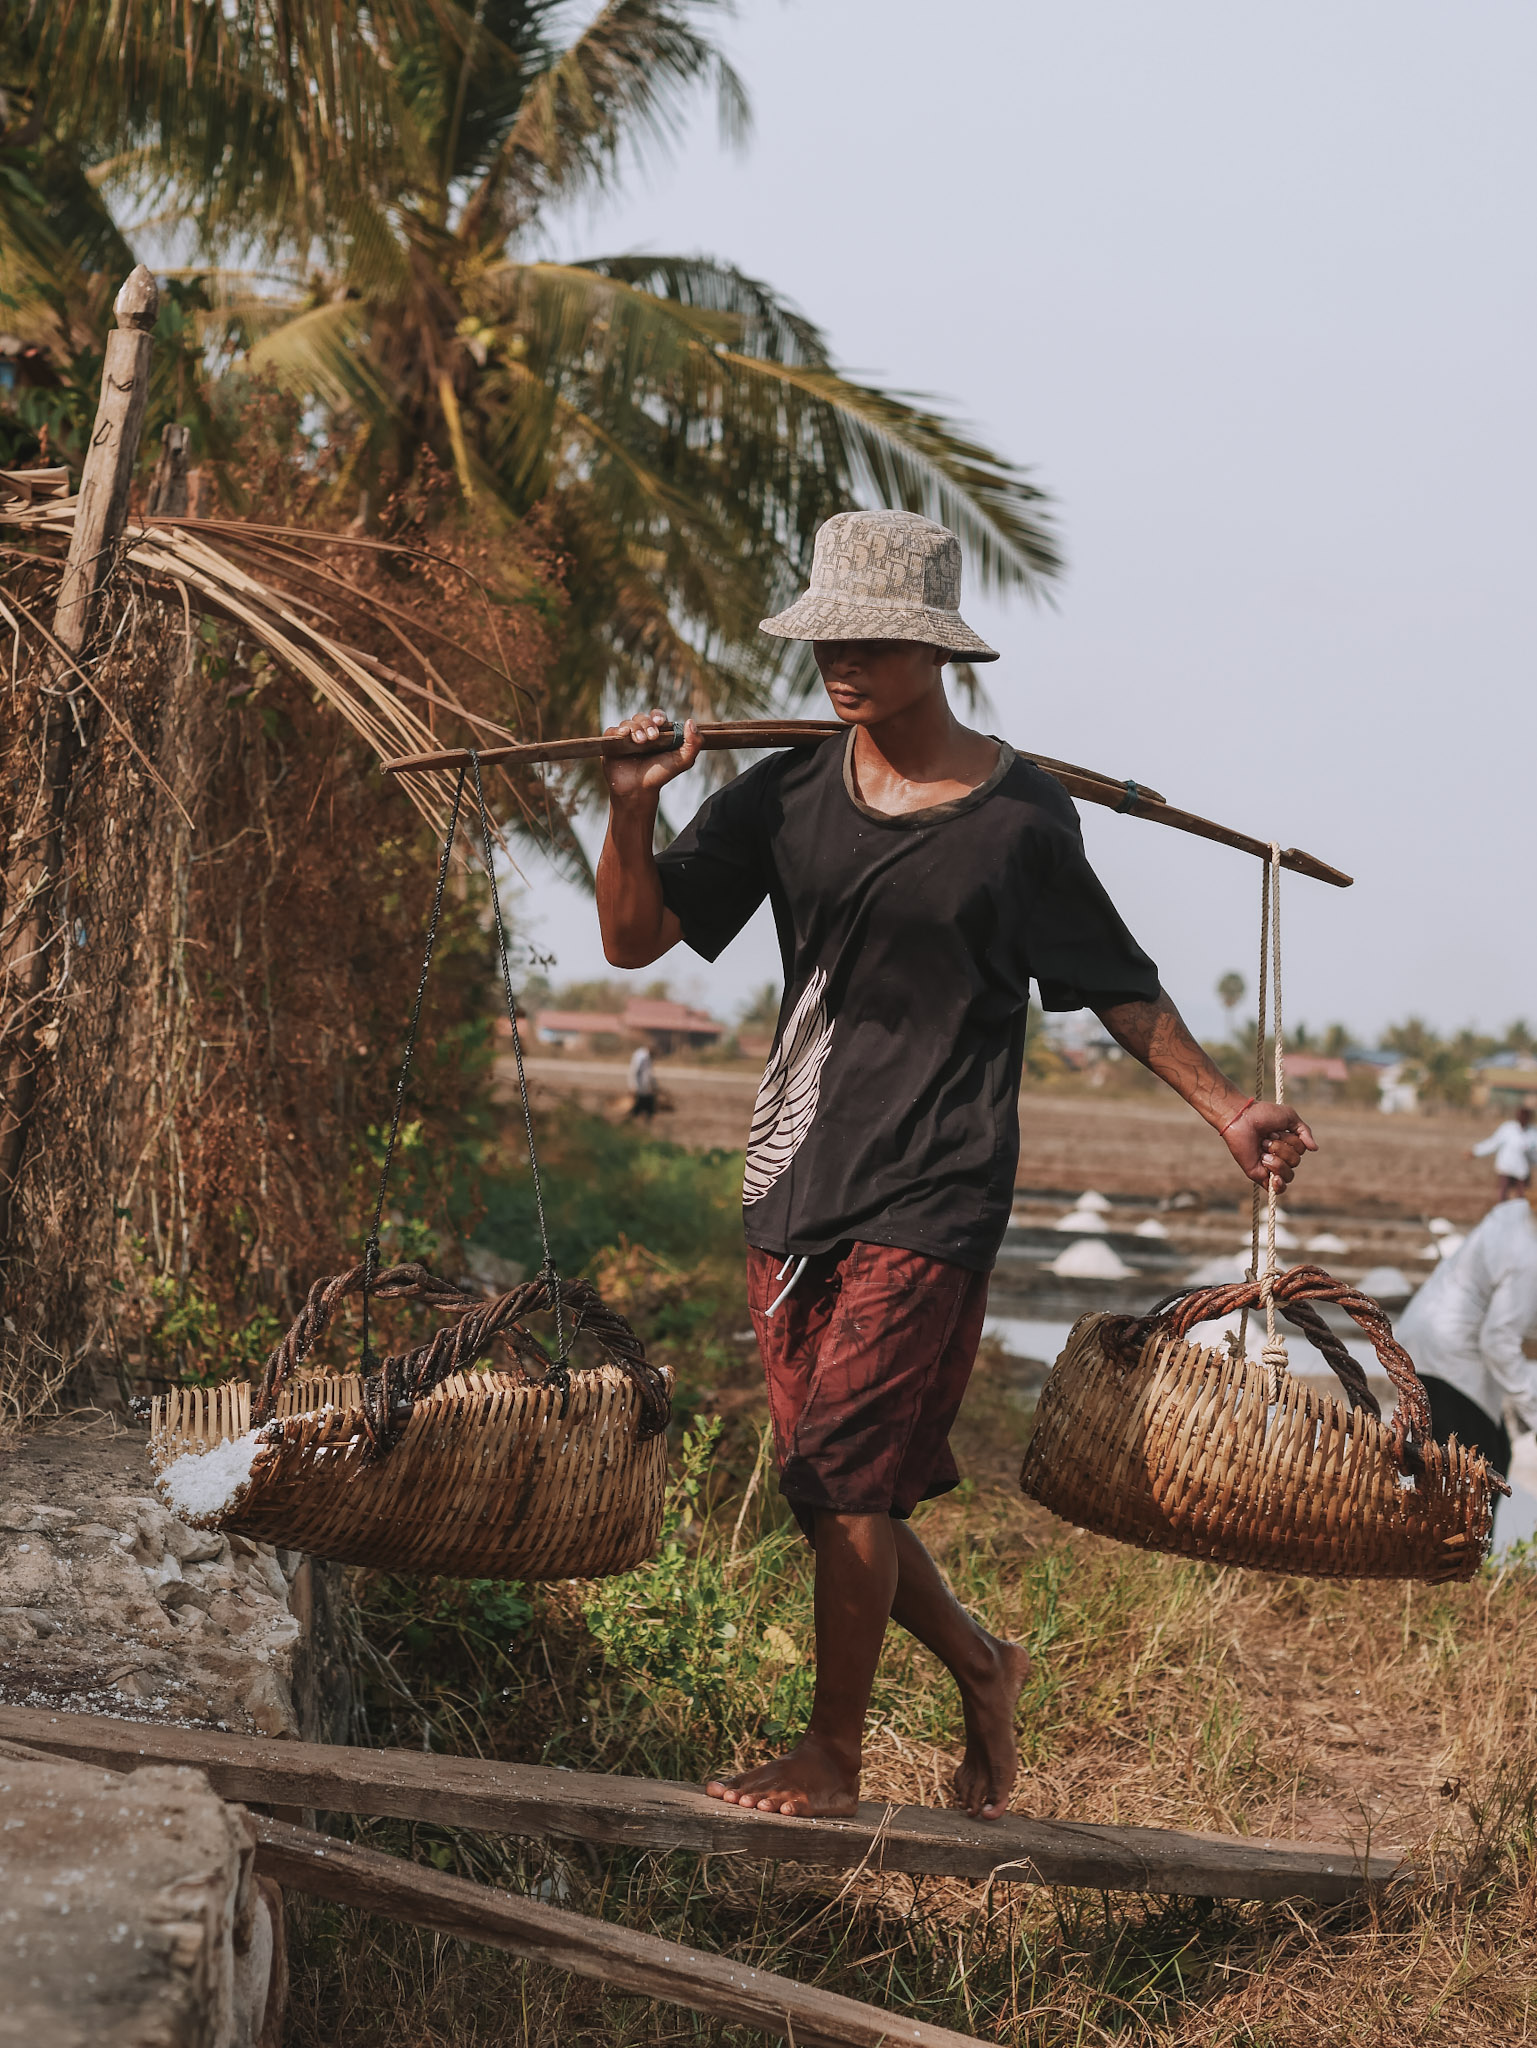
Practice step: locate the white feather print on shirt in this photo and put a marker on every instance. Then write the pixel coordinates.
(789, 1092)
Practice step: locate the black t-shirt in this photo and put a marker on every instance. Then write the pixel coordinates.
(888, 1112)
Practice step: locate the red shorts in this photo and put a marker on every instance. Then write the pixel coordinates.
(867, 1362)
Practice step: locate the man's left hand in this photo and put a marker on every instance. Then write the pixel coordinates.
(1269, 1138)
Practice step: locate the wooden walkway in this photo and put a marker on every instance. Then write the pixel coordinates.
(638, 1813)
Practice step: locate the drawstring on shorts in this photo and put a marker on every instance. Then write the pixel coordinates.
(795, 1280)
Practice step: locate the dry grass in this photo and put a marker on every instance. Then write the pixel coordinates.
(1164, 1693)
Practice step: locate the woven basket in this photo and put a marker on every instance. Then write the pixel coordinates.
(1175, 1446)
(427, 1466)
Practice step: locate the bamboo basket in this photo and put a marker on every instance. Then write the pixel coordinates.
(1144, 1436)
(429, 1466)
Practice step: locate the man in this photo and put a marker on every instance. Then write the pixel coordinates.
(920, 875)
(1464, 1331)
(642, 1084)
(1514, 1146)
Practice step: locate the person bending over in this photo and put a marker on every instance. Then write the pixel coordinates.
(920, 875)
(1464, 1331)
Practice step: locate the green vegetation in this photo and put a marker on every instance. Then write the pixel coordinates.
(1164, 1693)
(608, 1185)
(367, 190)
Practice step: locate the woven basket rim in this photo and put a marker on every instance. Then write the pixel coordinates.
(1177, 1446)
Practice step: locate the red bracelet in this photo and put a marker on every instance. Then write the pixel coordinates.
(1237, 1113)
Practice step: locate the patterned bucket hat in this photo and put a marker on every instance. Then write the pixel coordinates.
(883, 576)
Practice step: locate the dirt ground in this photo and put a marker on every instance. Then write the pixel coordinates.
(1135, 1145)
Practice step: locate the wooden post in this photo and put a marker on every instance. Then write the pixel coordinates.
(29, 948)
(168, 491)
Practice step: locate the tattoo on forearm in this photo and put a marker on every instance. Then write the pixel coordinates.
(1157, 1035)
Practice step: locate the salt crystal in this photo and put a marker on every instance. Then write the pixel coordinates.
(201, 1485)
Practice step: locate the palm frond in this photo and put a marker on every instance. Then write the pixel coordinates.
(311, 353)
(625, 79)
(736, 391)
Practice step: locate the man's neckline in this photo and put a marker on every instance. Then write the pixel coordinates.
(929, 814)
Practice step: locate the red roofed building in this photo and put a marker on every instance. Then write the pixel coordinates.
(670, 1027)
(1314, 1066)
(576, 1027)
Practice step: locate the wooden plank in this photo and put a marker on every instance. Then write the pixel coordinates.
(643, 1963)
(639, 1813)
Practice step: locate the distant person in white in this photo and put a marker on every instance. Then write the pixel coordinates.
(642, 1083)
(1464, 1330)
(1514, 1146)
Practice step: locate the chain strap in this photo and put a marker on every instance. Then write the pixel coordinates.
(559, 1373)
(371, 1248)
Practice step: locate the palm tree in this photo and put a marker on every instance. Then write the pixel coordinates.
(367, 182)
(1231, 990)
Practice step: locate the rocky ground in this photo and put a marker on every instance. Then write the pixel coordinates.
(133, 1919)
(108, 1604)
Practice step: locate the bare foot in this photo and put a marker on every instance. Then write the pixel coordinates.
(812, 1779)
(987, 1772)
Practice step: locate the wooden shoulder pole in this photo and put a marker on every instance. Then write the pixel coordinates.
(1132, 799)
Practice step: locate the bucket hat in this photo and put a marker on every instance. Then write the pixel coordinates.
(883, 576)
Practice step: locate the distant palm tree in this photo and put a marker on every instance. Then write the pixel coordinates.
(1231, 989)
(370, 181)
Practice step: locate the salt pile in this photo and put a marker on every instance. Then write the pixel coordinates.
(1386, 1283)
(1088, 1220)
(1088, 1260)
(200, 1485)
(1326, 1241)
(1440, 1226)
(1091, 1198)
(1150, 1227)
(1219, 1272)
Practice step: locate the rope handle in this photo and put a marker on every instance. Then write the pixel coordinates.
(1294, 1293)
(399, 1382)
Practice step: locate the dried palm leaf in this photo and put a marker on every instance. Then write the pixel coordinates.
(292, 629)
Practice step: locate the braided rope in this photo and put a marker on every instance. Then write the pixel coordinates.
(1293, 1292)
(402, 1380)
(1256, 1193)
(1273, 1351)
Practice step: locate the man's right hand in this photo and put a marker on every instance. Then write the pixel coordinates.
(639, 774)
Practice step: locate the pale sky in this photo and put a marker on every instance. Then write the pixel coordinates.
(1251, 289)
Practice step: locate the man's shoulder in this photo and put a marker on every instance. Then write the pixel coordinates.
(1037, 797)
(779, 774)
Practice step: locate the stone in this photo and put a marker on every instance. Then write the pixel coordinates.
(109, 1603)
(130, 1915)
